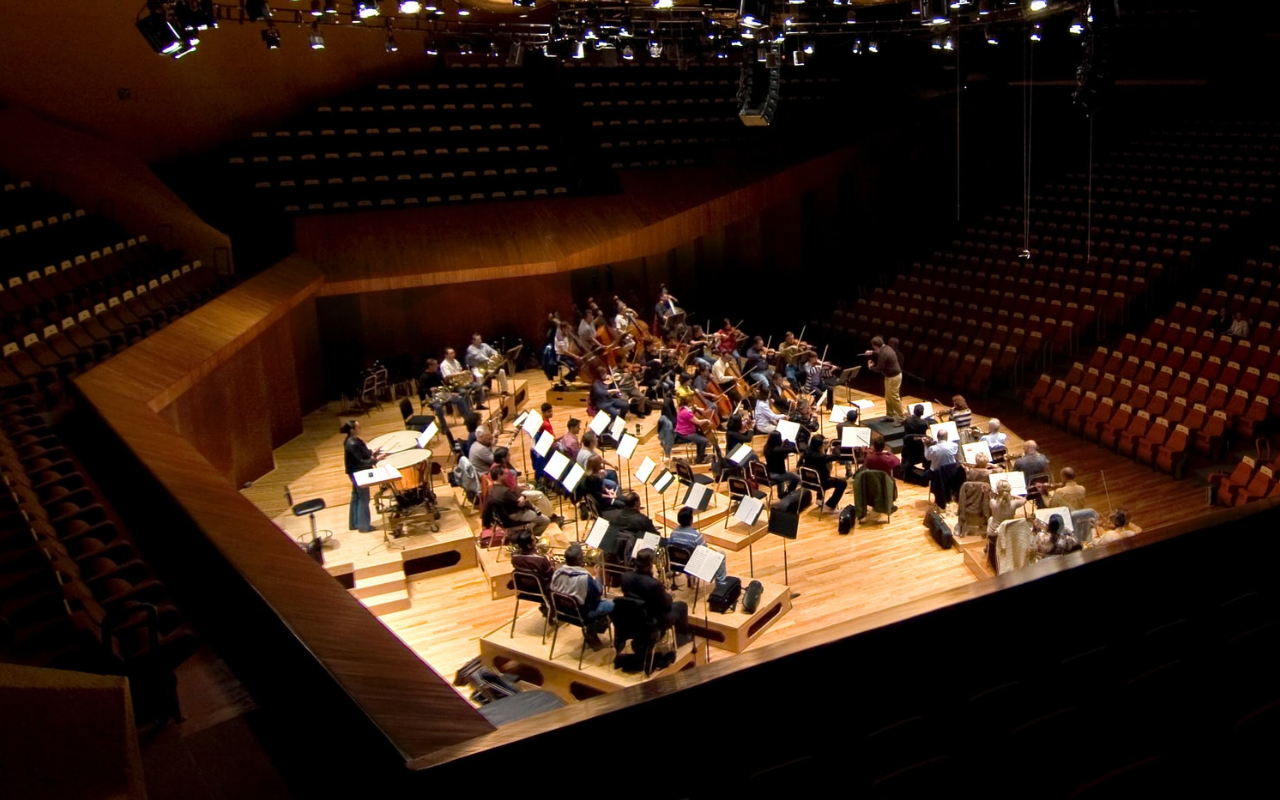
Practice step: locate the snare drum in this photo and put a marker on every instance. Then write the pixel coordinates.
(413, 465)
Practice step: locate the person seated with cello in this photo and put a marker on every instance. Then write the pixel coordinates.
(664, 310)
(687, 430)
(605, 399)
(725, 376)
(697, 347)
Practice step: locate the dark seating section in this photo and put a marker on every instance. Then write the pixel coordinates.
(977, 312)
(76, 290)
(73, 592)
(1178, 388)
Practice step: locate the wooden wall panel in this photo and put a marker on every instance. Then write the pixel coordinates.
(308, 365)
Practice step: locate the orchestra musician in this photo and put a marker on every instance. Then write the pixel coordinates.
(566, 350)
(687, 430)
(775, 459)
(724, 377)
(450, 367)
(818, 378)
(738, 432)
(727, 339)
(431, 384)
(479, 356)
(917, 424)
(697, 347)
(766, 419)
(791, 351)
(357, 457)
(605, 399)
(587, 331)
(591, 447)
(819, 458)
(664, 311)
(757, 366)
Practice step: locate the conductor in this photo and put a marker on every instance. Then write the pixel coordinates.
(884, 361)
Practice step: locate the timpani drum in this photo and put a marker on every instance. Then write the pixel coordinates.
(395, 442)
(413, 465)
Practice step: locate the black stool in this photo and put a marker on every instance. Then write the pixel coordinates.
(309, 508)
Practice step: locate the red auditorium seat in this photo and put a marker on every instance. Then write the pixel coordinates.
(1209, 438)
(1257, 488)
(1109, 435)
(1239, 478)
(1070, 401)
(1247, 424)
(1038, 392)
(1173, 453)
(1101, 416)
(1051, 399)
(1127, 441)
(1150, 444)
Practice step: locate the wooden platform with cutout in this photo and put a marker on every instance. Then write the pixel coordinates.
(736, 630)
(526, 655)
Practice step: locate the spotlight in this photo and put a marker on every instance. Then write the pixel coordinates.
(984, 7)
(462, 12)
(808, 49)
(916, 8)
(873, 47)
(655, 49)
(947, 44)
(160, 34)
(316, 8)
(589, 34)
(664, 3)
(1077, 26)
(1039, 5)
(391, 42)
(410, 6)
(937, 43)
(316, 39)
(197, 16)
(257, 9)
(935, 12)
(366, 9)
(187, 48)
(857, 47)
(520, 3)
(430, 49)
(271, 37)
(1035, 33)
(627, 53)
(330, 6)
(991, 37)
(747, 34)
(579, 51)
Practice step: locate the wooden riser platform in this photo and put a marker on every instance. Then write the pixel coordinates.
(575, 395)
(736, 630)
(527, 656)
(714, 515)
(498, 573)
(974, 552)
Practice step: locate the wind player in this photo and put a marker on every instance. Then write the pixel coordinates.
(478, 357)
(449, 366)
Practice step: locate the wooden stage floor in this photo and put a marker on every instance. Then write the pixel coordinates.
(835, 577)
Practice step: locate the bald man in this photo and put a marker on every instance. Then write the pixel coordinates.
(1032, 461)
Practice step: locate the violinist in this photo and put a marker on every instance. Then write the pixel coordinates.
(818, 458)
(792, 352)
(766, 419)
(664, 311)
(818, 378)
(697, 347)
(738, 432)
(605, 399)
(757, 366)
(566, 350)
(687, 429)
(727, 339)
(655, 372)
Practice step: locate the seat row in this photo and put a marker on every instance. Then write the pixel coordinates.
(23, 204)
(74, 593)
(52, 240)
(346, 203)
(1248, 483)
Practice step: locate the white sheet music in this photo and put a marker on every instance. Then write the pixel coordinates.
(532, 423)
(748, 511)
(788, 429)
(973, 449)
(426, 436)
(1043, 515)
(741, 453)
(839, 413)
(822, 398)
(542, 445)
(1017, 481)
(570, 480)
(627, 446)
(928, 408)
(598, 529)
(615, 430)
(863, 405)
(853, 436)
(645, 469)
(663, 480)
(519, 421)
(953, 433)
(697, 493)
(599, 423)
(704, 563)
(649, 542)
(556, 465)
(383, 473)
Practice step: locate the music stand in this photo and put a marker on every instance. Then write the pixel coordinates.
(626, 449)
(643, 473)
(786, 525)
(510, 357)
(846, 380)
(698, 498)
(380, 476)
(748, 513)
(661, 482)
(703, 564)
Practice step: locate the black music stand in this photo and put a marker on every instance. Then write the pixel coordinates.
(846, 380)
(786, 525)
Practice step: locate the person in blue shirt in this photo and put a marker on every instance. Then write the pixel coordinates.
(685, 535)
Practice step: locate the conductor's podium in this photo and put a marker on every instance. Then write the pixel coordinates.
(526, 655)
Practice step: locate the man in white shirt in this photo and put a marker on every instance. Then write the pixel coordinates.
(1239, 326)
(564, 351)
(449, 366)
(945, 472)
(995, 438)
(942, 452)
(479, 355)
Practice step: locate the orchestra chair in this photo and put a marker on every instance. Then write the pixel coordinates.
(414, 422)
(369, 394)
(687, 477)
(1032, 493)
(529, 587)
(810, 479)
(677, 557)
(739, 489)
(569, 611)
(309, 509)
(760, 474)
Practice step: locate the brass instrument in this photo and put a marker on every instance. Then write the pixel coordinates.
(458, 380)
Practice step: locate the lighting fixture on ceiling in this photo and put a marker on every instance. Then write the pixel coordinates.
(1077, 26)
(873, 47)
(664, 3)
(410, 6)
(160, 34)
(1035, 32)
(331, 6)
(366, 9)
(1038, 5)
(271, 37)
(579, 51)
(655, 49)
(317, 9)
(627, 53)
(992, 38)
(316, 39)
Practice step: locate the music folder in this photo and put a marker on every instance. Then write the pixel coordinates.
(740, 454)
(383, 473)
(645, 469)
(599, 423)
(698, 497)
(531, 423)
(598, 529)
(519, 421)
(542, 445)
(839, 413)
(784, 524)
(619, 425)
(953, 433)
(973, 449)
(427, 435)
(663, 480)
(854, 436)
(627, 446)
(650, 541)
(704, 564)
(748, 511)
